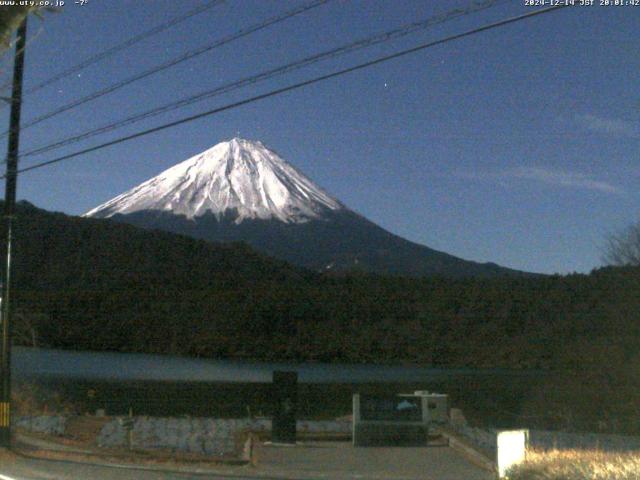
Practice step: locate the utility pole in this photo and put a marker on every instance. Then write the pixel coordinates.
(9, 212)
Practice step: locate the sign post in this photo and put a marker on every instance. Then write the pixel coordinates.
(285, 398)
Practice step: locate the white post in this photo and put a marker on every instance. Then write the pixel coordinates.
(355, 417)
(511, 449)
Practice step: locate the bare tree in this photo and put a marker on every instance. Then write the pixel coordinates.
(26, 327)
(623, 248)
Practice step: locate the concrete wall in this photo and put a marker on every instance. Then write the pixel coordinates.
(484, 439)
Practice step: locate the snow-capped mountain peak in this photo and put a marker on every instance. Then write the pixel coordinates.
(237, 175)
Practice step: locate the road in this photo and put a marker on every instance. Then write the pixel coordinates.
(318, 460)
(36, 469)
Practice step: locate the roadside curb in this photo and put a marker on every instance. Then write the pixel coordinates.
(244, 471)
(153, 468)
(230, 469)
(221, 474)
(466, 448)
(39, 449)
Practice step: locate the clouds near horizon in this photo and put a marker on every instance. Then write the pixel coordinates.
(609, 126)
(548, 176)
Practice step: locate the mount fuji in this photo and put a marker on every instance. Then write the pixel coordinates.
(240, 190)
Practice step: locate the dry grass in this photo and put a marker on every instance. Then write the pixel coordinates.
(6, 456)
(578, 465)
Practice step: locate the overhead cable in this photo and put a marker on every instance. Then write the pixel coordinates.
(295, 86)
(122, 46)
(182, 58)
(268, 74)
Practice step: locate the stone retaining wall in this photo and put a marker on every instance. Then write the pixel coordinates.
(205, 436)
(49, 424)
(194, 435)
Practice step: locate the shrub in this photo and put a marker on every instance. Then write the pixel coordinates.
(577, 465)
(37, 399)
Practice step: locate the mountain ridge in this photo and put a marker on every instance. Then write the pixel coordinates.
(240, 190)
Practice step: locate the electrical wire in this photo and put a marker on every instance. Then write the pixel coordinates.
(284, 69)
(122, 46)
(182, 58)
(292, 87)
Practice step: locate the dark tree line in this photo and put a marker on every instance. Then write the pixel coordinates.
(99, 285)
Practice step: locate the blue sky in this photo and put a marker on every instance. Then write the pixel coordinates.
(517, 146)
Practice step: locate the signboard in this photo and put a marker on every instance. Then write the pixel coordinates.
(127, 423)
(390, 420)
(390, 408)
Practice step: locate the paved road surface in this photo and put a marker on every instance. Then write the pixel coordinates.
(326, 460)
(29, 469)
(339, 460)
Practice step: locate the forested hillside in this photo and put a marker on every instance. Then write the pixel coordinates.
(99, 285)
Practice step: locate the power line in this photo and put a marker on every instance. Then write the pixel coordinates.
(332, 53)
(122, 46)
(293, 87)
(182, 58)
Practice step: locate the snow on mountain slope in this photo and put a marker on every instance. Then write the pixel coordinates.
(239, 175)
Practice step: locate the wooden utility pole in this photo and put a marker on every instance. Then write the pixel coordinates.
(9, 212)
